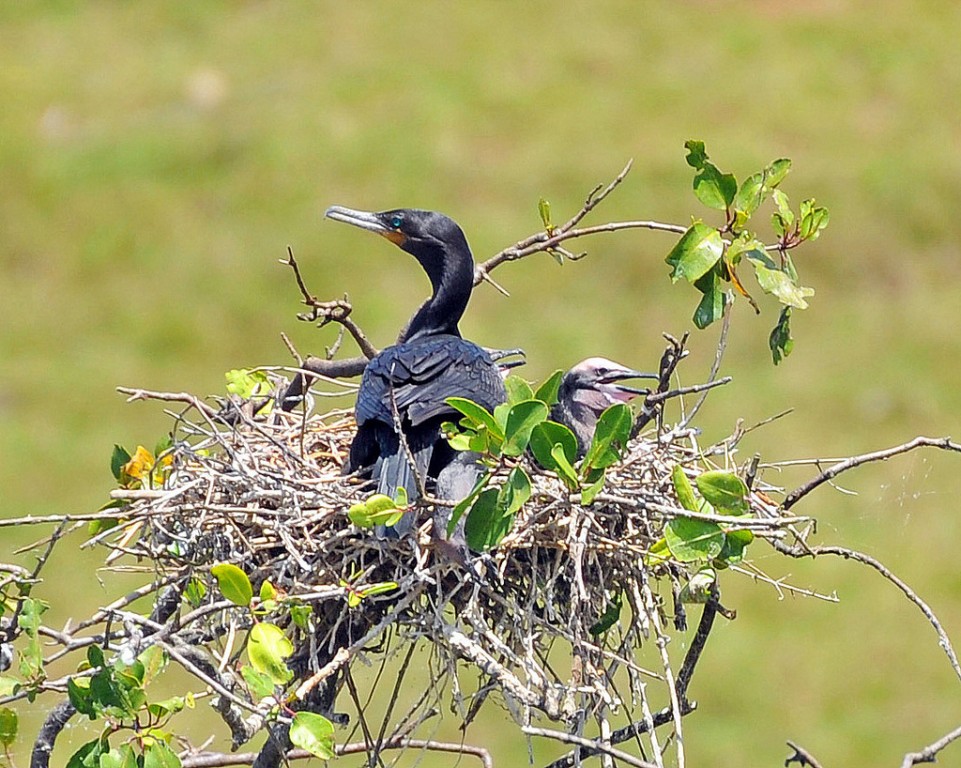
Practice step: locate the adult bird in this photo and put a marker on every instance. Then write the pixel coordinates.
(587, 390)
(401, 402)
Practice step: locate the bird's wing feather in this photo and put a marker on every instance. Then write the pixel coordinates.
(420, 375)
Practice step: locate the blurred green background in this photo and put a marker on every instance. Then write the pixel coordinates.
(156, 159)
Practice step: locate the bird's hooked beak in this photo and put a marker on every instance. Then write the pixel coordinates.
(507, 359)
(368, 220)
(610, 383)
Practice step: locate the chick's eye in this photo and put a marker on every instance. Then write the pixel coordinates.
(396, 221)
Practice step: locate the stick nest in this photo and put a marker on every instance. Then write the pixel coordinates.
(268, 495)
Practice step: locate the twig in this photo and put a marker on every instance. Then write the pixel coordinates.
(543, 242)
(944, 443)
(802, 757)
(928, 754)
(660, 397)
(170, 397)
(328, 311)
(594, 745)
(247, 758)
(849, 554)
(715, 366)
(596, 197)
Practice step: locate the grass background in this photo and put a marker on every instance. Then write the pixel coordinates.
(156, 160)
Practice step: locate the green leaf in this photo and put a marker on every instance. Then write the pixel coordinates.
(118, 460)
(300, 614)
(88, 756)
(521, 420)
(595, 485)
(658, 553)
(313, 732)
(167, 707)
(813, 219)
(515, 492)
(609, 618)
(261, 684)
(545, 436)
(695, 253)
(715, 189)
(195, 592)
(119, 757)
(267, 591)
(563, 468)
(698, 589)
(750, 194)
(247, 383)
(611, 434)
(775, 172)
(684, 489)
(691, 540)
(492, 516)
(780, 340)
(267, 647)
(8, 685)
(735, 542)
(154, 661)
(713, 302)
(159, 755)
(95, 656)
(724, 491)
(78, 692)
(783, 219)
(482, 521)
(102, 524)
(233, 583)
(547, 392)
(696, 156)
(518, 390)
(476, 416)
(777, 282)
(9, 722)
(544, 209)
(380, 588)
(378, 509)
(31, 655)
(466, 503)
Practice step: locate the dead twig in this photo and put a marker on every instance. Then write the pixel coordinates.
(944, 443)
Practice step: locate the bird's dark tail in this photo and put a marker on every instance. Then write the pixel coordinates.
(395, 471)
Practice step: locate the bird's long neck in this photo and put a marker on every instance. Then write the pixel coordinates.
(451, 273)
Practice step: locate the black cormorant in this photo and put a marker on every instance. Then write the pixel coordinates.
(406, 384)
(587, 390)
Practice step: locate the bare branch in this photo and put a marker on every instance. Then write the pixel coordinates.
(53, 724)
(542, 242)
(595, 745)
(850, 554)
(337, 311)
(929, 753)
(802, 757)
(944, 443)
(217, 760)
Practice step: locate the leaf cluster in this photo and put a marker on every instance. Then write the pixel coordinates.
(708, 257)
(115, 692)
(701, 542)
(518, 427)
(268, 647)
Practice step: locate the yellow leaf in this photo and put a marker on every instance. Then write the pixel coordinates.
(139, 465)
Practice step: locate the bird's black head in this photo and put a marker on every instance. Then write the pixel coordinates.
(439, 245)
(418, 232)
(597, 383)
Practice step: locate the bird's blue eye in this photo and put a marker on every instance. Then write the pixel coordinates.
(396, 221)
